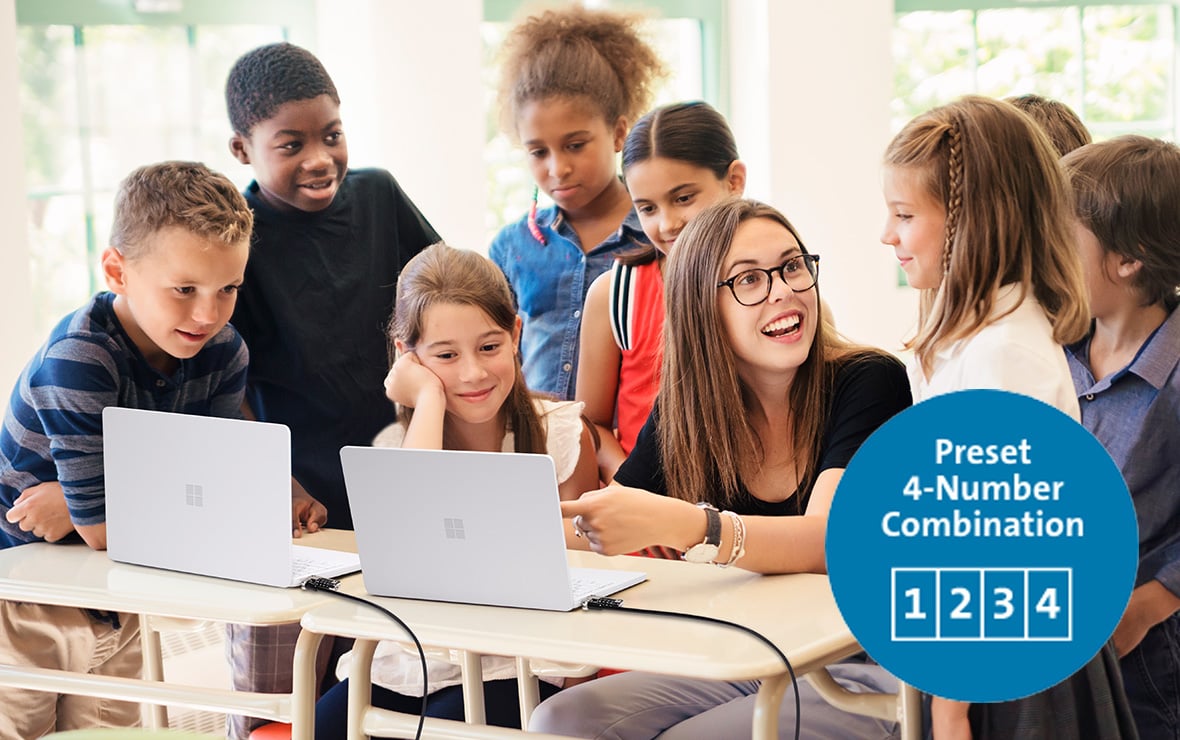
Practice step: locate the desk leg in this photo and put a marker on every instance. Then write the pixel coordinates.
(766, 706)
(153, 668)
(872, 704)
(528, 690)
(303, 685)
(909, 712)
(473, 705)
(360, 687)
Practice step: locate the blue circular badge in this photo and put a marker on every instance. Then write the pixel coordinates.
(982, 546)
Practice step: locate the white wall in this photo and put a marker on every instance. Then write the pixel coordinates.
(811, 84)
(809, 88)
(17, 340)
(412, 100)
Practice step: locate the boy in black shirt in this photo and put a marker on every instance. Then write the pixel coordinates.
(328, 247)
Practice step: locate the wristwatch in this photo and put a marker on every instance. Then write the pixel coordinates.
(706, 552)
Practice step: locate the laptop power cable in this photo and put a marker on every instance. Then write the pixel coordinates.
(605, 604)
(332, 586)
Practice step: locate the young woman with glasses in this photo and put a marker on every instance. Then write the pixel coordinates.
(761, 406)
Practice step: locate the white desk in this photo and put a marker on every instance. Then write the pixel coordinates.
(797, 612)
(75, 575)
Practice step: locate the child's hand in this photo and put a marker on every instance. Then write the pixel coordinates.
(1150, 604)
(306, 512)
(42, 510)
(409, 379)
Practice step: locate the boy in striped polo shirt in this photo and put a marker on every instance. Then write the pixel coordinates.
(159, 339)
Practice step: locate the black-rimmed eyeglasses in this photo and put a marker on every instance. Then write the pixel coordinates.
(751, 287)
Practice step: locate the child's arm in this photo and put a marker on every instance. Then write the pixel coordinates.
(949, 719)
(585, 475)
(412, 384)
(599, 360)
(306, 512)
(1150, 604)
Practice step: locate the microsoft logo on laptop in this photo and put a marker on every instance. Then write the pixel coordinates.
(454, 528)
(194, 495)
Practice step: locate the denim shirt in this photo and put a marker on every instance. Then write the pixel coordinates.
(550, 282)
(1135, 414)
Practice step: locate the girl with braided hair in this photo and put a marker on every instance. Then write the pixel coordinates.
(980, 219)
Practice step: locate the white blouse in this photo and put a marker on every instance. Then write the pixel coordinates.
(1014, 353)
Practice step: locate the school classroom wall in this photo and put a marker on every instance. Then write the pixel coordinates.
(809, 86)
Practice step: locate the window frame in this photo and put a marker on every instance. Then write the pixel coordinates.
(976, 6)
(296, 18)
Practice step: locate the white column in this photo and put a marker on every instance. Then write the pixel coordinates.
(412, 98)
(17, 340)
(811, 85)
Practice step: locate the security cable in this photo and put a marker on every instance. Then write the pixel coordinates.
(332, 586)
(617, 605)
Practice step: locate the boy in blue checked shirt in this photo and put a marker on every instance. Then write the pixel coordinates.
(159, 339)
(1127, 377)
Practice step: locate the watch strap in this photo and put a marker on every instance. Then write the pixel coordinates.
(712, 525)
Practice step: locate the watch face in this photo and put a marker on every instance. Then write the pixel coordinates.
(702, 553)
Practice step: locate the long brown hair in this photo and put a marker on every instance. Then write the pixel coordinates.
(443, 274)
(1008, 209)
(704, 430)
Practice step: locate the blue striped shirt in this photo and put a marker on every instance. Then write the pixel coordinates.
(53, 427)
(1135, 414)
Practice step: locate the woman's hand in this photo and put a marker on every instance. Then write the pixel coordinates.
(618, 520)
(409, 380)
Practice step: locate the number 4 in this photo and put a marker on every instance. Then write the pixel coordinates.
(913, 488)
(1047, 604)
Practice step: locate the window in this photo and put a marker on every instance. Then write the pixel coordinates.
(1113, 63)
(106, 88)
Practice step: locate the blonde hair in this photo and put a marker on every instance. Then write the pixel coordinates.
(594, 56)
(187, 195)
(443, 274)
(1008, 220)
(704, 430)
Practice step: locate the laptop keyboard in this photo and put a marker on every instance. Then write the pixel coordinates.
(313, 561)
(586, 584)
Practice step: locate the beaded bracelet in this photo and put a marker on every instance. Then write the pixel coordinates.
(739, 540)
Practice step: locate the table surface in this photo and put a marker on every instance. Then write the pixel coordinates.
(75, 575)
(796, 612)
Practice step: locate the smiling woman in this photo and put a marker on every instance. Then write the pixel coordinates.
(761, 407)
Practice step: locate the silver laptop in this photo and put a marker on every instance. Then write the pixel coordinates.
(206, 495)
(468, 527)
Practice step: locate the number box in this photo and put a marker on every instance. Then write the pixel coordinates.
(982, 604)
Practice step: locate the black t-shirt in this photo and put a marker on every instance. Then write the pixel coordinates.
(866, 392)
(314, 309)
